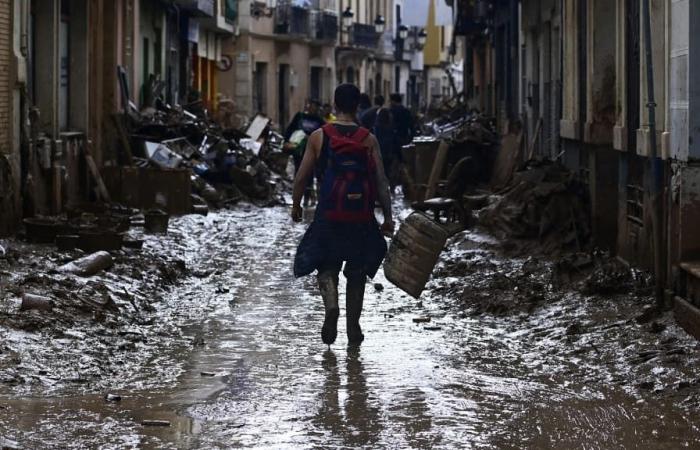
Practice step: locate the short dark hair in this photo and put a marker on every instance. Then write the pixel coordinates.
(379, 100)
(396, 98)
(365, 101)
(347, 98)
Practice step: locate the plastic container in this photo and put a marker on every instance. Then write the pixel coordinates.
(413, 253)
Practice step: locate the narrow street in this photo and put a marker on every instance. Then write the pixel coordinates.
(249, 370)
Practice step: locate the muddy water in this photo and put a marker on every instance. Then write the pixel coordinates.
(250, 371)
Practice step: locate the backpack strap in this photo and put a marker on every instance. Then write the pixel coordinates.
(360, 135)
(330, 131)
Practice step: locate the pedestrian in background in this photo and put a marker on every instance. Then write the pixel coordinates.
(344, 229)
(403, 120)
(297, 134)
(369, 117)
(388, 139)
(327, 112)
(365, 104)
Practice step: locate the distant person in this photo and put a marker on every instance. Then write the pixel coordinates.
(368, 118)
(327, 112)
(365, 104)
(389, 145)
(296, 136)
(403, 120)
(344, 229)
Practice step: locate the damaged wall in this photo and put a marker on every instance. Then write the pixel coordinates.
(9, 149)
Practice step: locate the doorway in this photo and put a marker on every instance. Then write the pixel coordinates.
(259, 88)
(316, 88)
(283, 95)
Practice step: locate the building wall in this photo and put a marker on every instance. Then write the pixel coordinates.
(9, 149)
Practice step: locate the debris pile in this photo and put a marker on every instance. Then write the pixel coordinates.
(542, 209)
(226, 165)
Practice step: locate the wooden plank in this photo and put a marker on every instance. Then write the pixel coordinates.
(535, 138)
(94, 171)
(508, 157)
(687, 316)
(123, 139)
(438, 167)
(692, 267)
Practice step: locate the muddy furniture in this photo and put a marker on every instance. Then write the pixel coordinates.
(413, 253)
(447, 212)
(687, 302)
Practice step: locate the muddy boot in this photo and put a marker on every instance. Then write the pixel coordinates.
(328, 284)
(355, 298)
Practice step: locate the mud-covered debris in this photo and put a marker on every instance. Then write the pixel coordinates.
(89, 265)
(36, 302)
(7, 444)
(542, 209)
(113, 398)
(155, 423)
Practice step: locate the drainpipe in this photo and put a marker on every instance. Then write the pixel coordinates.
(655, 183)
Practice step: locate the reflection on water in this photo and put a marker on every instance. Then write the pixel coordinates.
(347, 412)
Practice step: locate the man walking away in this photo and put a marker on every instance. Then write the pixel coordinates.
(296, 136)
(403, 120)
(369, 117)
(344, 229)
(388, 139)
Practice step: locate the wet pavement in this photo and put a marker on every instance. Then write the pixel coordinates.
(240, 363)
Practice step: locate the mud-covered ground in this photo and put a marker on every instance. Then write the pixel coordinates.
(212, 334)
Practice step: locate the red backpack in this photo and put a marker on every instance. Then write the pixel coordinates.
(348, 189)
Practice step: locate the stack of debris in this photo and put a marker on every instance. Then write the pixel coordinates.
(543, 209)
(188, 152)
(181, 160)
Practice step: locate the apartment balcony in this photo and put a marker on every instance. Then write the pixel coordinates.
(292, 20)
(363, 36)
(324, 27)
(198, 8)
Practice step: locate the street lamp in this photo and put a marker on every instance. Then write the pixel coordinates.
(403, 32)
(422, 38)
(348, 16)
(379, 24)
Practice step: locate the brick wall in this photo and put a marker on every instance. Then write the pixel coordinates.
(9, 186)
(5, 67)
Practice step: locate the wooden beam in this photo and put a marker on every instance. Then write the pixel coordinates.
(438, 166)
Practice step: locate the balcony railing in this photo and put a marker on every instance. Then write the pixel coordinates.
(198, 8)
(324, 26)
(291, 19)
(364, 36)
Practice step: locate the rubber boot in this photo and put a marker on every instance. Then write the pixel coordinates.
(355, 299)
(328, 284)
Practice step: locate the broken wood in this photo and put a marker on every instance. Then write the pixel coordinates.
(88, 265)
(101, 188)
(438, 166)
(535, 138)
(123, 139)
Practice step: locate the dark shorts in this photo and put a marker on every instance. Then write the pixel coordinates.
(327, 245)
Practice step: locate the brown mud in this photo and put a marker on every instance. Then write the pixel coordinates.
(518, 352)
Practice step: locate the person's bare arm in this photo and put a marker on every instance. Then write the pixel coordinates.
(383, 190)
(306, 170)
